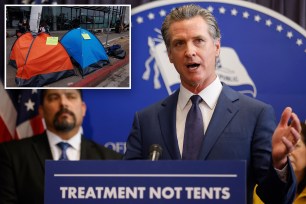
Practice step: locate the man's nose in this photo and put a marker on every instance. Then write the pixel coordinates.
(64, 101)
(190, 50)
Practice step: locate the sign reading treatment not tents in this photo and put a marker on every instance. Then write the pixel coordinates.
(145, 182)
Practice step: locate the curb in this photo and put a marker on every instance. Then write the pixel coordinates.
(95, 78)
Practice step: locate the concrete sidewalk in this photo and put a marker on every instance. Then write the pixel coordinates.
(93, 80)
(90, 80)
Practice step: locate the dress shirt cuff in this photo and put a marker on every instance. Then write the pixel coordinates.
(283, 173)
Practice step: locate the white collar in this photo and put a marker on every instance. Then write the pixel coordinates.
(210, 94)
(74, 141)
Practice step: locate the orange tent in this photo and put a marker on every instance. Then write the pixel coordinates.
(38, 62)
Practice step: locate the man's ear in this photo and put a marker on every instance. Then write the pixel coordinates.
(218, 47)
(84, 108)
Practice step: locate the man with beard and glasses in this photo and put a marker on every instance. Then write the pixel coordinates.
(22, 163)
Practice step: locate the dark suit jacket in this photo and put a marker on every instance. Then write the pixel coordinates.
(22, 167)
(240, 129)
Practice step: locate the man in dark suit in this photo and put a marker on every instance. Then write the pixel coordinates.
(228, 125)
(22, 163)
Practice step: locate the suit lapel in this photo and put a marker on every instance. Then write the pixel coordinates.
(84, 148)
(224, 112)
(42, 149)
(167, 121)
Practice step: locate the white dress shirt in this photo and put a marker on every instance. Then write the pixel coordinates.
(73, 152)
(210, 97)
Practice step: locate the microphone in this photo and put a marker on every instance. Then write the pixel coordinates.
(155, 152)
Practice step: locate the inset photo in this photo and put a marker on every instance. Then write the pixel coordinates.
(68, 46)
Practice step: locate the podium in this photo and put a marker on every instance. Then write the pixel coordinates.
(145, 182)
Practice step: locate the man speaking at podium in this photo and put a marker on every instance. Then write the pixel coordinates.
(22, 163)
(207, 120)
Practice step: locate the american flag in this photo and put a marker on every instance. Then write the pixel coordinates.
(19, 116)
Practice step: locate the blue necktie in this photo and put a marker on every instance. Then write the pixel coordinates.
(194, 130)
(63, 146)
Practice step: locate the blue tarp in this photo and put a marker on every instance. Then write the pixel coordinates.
(85, 49)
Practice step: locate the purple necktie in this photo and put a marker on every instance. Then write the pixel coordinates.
(194, 130)
(63, 146)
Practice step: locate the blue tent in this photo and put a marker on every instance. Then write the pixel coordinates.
(85, 49)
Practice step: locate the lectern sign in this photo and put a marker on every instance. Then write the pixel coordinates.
(145, 182)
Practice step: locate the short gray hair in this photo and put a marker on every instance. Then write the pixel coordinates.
(187, 12)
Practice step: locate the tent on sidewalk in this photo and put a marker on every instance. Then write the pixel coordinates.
(39, 61)
(85, 49)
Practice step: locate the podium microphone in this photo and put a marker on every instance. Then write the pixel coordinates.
(155, 152)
